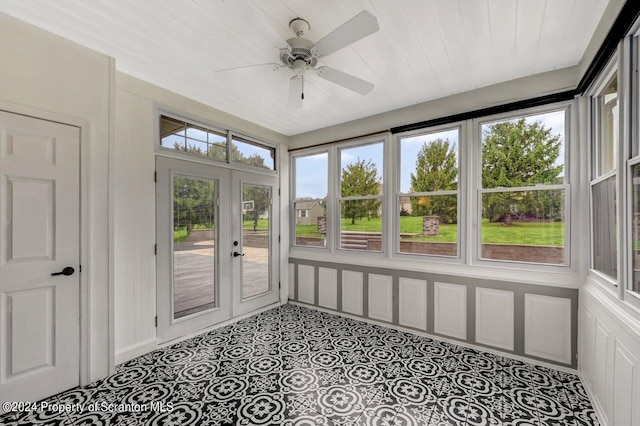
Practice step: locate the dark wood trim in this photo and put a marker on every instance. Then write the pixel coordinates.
(483, 112)
(381, 132)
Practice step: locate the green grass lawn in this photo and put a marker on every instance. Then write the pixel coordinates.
(180, 235)
(528, 233)
(263, 225)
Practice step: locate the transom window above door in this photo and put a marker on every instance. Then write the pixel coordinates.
(179, 135)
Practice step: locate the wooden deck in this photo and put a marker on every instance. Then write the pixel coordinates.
(194, 276)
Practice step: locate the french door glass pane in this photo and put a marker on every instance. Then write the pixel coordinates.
(194, 234)
(256, 228)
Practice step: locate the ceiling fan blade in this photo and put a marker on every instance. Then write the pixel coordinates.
(272, 64)
(296, 94)
(345, 80)
(360, 26)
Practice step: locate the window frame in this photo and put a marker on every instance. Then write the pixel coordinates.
(461, 126)
(631, 158)
(158, 149)
(612, 69)
(337, 196)
(568, 107)
(294, 199)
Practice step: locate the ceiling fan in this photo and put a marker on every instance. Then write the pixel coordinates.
(302, 54)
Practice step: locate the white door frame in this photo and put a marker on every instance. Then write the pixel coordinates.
(88, 372)
(275, 271)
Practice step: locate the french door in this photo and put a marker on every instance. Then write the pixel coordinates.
(217, 251)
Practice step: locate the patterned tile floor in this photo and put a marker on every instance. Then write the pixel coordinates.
(296, 366)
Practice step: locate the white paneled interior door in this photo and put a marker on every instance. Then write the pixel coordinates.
(39, 237)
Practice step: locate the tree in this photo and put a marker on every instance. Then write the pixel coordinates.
(436, 170)
(193, 203)
(517, 154)
(192, 198)
(360, 178)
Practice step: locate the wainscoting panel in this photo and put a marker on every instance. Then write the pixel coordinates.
(547, 326)
(413, 303)
(328, 288)
(352, 292)
(494, 318)
(450, 310)
(480, 312)
(609, 353)
(306, 284)
(601, 363)
(624, 373)
(381, 297)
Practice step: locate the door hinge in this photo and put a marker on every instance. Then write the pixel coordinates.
(155, 249)
(156, 321)
(279, 285)
(218, 202)
(155, 176)
(278, 191)
(278, 238)
(80, 268)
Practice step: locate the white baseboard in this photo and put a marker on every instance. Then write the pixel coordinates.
(135, 351)
(595, 402)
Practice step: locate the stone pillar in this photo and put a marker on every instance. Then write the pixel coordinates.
(322, 224)
(430, 225)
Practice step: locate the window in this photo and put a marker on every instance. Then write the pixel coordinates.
(182, 136)
(605, 141)
(523, 214)
(251, 153)
(634, 175)
(635, 227)
(427, 200)
(361, 195)
(310, 173)
(606, 128)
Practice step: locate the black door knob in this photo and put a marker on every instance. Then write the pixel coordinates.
(66, 271)
(236, 254)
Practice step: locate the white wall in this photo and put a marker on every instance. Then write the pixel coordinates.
(134, 204)
(50, 77)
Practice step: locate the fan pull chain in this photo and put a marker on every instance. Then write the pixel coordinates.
(302, 92)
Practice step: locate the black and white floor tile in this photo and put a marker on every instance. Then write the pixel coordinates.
(299, 367)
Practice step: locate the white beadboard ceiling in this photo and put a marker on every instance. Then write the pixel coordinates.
(425, 49)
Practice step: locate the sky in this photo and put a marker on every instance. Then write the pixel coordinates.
(312, 171)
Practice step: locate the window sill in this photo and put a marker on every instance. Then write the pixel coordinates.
(518, 273)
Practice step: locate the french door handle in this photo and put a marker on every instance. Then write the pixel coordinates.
(66, 271)
(236, 254)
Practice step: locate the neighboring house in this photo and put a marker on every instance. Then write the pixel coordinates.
(405, 204)
(308, 211)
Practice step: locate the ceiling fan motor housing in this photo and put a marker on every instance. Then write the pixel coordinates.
(300, 50)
